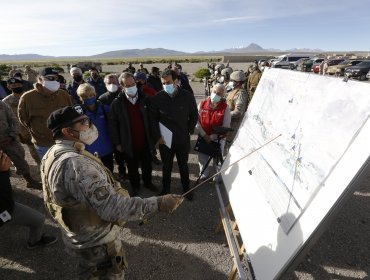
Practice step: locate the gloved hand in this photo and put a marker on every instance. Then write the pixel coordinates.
(169, 202)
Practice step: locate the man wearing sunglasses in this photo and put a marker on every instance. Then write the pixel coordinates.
(36, 105)
(83, 197)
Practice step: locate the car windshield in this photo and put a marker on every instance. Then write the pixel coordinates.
(364, 63)
(344, 62)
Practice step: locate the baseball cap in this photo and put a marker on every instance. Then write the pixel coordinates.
(49, 71)
(12, 81)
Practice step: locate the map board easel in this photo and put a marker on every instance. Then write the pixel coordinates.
(283, 195)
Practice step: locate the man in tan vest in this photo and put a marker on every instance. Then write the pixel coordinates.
(252, 82)
(85, 200)
(237, 101)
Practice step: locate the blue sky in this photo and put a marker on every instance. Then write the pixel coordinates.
(82, 27)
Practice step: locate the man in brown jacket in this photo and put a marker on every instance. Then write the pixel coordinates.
(36, 105)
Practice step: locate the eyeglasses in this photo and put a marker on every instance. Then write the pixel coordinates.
(84, 121)
(51, 78)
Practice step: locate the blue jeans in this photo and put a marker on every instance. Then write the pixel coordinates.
(41, 151)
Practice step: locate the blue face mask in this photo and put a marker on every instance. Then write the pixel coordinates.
(169, 89)
(131, 91)
(215, 98)
(90, 101)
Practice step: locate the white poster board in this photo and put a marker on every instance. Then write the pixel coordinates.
(281, 193)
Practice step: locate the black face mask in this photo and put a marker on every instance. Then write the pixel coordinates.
(139, 85)
(77, 78)
(17, 90)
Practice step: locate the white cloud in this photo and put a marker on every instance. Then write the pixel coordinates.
(71, 26)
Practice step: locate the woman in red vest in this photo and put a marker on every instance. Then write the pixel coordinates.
(213, 111)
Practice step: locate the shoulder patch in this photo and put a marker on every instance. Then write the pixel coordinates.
(101, 193)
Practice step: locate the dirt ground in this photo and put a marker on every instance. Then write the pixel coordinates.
(184, 245)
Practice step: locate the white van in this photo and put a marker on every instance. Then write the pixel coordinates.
(285, 60)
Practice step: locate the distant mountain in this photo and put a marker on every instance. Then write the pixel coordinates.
(23, 57)
(303, 50)
(253, 47)
(139, 53)
(151, 52)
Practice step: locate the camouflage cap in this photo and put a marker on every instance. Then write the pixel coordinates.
(238, 76)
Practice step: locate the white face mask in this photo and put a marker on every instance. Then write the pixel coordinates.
(90, 135)
(51, 85)
(112, 87)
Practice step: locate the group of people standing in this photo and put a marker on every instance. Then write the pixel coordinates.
(77, 131)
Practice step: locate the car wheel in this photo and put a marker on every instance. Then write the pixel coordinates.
(362, 77)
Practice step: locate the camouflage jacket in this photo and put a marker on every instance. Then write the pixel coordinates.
(8, 122)
(13, 102)
(75, 180)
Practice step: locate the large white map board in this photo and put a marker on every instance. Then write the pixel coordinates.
(281, 193)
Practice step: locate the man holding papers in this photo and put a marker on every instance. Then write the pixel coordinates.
(174, 115)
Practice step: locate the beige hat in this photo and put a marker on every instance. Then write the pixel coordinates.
(238, 76)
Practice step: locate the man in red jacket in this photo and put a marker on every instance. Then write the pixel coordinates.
(213, 111)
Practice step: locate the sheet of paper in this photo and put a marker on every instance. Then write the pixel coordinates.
(166, 135)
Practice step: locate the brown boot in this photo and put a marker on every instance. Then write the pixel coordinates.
(32, 183)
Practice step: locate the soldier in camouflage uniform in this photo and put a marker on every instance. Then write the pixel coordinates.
(252, 82)
(31, 75)
(13, 71)
(12, 101)
(9, 143)
(82, 196)
(237, 101)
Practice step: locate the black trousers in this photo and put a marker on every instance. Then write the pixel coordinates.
(182, 156)
(141, 158)
(120, 160)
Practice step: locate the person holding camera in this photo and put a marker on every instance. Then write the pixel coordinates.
(213, 112)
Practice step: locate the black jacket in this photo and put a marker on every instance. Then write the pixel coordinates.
(120, 127)
(155, 83)
(178, 113)
(6, 194)
(108, 97)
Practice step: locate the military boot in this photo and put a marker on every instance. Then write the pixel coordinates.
(32, 183)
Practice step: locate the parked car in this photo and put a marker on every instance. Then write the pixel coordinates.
(307, 65)
(86, 65)
(368, 75)
(358, 71)
(335, 61)
(316, 68)
(296, 65)
(285, 60)
(338, 70)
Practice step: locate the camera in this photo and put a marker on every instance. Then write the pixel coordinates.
(221, 130)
